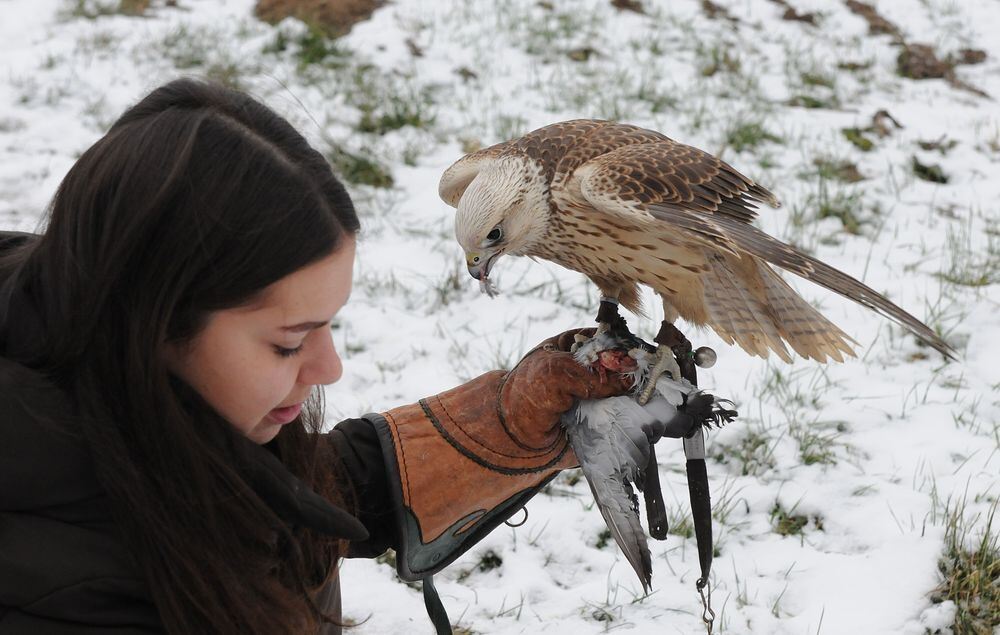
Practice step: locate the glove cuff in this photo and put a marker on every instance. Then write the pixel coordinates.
(455, 474)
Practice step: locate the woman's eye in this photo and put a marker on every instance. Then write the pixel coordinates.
(287, 352)
(494, 234)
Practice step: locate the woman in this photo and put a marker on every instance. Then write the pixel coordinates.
(161, 461)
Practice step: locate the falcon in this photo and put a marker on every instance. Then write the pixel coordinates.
(627, 206)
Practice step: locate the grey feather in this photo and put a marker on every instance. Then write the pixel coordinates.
(612, 439)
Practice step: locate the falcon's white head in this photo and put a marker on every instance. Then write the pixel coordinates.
(504, 210)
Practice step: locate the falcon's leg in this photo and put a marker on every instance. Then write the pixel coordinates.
(608, 319)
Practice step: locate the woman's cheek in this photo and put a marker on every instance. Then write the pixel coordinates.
(280, 383)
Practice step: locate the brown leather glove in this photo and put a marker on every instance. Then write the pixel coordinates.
(467, 459)
(544, 385)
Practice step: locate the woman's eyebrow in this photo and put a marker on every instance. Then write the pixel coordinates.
(304, 326)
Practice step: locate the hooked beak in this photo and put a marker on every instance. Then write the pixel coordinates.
(479, 264)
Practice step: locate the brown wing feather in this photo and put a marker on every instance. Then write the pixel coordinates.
(657, 191)
(549, 145)
(672, 175)
(601, 140)
(560, 148)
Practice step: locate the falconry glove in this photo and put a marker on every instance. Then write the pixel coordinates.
(467, 459)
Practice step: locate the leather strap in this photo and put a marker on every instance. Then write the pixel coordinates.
(435, 608)
(656, 513)
(701, 502)
(701, 510)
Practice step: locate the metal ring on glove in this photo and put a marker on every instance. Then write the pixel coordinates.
(523, 520)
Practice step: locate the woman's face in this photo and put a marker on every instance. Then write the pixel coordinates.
(256, 364)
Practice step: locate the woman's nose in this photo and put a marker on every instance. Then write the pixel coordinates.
(325, 366)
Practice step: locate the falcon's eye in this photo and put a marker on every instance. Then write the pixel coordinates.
(495, 234)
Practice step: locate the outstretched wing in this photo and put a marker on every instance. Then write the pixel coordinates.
(691, 191)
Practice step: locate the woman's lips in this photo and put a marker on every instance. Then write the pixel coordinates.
(285, 415)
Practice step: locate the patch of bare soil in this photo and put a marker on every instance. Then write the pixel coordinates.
(332, 17)
(792, 15)
(877, 25)
(715, 11)
(134, 7)
(970, 56)
(919, 61)
(629, 5)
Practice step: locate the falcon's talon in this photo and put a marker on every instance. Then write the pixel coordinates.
(673, 368)
(664, 363)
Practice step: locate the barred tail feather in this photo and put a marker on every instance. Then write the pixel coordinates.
(804, 328)
(791, 259)
(739, 313)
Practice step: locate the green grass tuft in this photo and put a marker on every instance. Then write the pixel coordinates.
(749, 135)
(837, 170)
(753, 453)
(855, 66)
(857, 137)
(395, 113)
(314, 47)
(310, 48)
(679, 522)
(818, 79)
(808, 101)
(603, 539)
(358, 168)
(489, 561)
(93, 9)
(942, 145)
(842, 206)
(927, 172)
(969, 263)
(971, 576)
(786, 522)
(719, 59)
(818, 442)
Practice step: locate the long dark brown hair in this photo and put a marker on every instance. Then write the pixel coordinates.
(196, 199)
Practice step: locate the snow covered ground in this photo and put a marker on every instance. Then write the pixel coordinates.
(834, 489)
